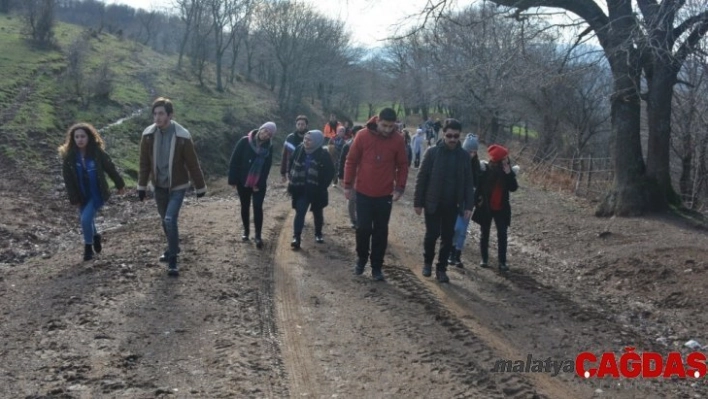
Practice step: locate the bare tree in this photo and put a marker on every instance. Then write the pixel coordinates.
(190, 12)
(39, 20)
(148, 25)
(227, 18)
(658, 45)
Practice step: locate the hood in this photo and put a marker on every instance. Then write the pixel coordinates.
(371, 125)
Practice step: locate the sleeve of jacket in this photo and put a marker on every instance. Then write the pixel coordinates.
(328, 170)
(195, 170)
(285, 160)
(72, 189)
(145, 163)
(111, 171)
(265, 172)
(401, 168)
(511, 183)
(469, 184)
(423, 178)
(342, 161)
(234, 161)
(352, 163)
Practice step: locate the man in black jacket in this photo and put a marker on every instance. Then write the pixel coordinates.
(293, 140)
(444, 188)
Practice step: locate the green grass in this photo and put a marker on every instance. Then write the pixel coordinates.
(520, 131)
(39, 105)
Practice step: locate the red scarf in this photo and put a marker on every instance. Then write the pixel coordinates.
(496, 199)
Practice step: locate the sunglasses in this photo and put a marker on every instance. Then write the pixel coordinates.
(452, 136)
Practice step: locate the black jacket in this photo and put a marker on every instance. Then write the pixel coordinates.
(241, 159)
(343, 159)
(429, 182)
(484, 191)
(313, 185)
(291, 142)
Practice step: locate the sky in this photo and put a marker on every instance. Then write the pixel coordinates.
(368, 21)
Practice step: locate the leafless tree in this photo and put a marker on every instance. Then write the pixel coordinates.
(190, 12)
(651, 41)
(227, 17)
(39, 21)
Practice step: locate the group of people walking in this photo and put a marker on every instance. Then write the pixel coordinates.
(371, 163)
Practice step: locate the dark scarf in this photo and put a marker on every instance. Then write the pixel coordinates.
(261, 150)
(305, 170)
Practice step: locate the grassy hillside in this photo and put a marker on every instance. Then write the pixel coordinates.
(37, 105)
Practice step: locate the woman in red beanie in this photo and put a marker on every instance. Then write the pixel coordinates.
(496, 181)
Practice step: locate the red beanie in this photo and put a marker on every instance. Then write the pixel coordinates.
(497, 153)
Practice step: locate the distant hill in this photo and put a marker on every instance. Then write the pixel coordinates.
(38, 101)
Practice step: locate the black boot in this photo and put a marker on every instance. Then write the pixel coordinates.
(97, 243)
(458, 258)
(441, 274)
(88, 252)
(451, 258)
(295, 244)
(172, 269)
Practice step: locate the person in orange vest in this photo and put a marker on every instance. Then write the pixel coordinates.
(330, 128)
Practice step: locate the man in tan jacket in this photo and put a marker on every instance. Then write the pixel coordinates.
(168, 158)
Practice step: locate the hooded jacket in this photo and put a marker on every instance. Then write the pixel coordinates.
(183, 160)
(376, 165)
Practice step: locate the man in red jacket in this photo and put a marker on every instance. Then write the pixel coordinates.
(375, 172)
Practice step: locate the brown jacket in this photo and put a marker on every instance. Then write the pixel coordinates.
(183, 160)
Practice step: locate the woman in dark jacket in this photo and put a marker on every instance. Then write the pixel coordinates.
(444, 188)
(497, 179)
(84, 168)
(311, 173)
(248, 172)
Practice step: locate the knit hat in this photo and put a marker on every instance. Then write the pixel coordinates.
(419, 131)
(316, 137)
(269, 127)
(470, 143)
(497, 153)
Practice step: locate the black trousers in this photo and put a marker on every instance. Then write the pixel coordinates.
(244, 195)
(440, 224)
(500, 223)
(373, 214)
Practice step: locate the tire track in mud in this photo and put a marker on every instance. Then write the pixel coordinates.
(402, 323)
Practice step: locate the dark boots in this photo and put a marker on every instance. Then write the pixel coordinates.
(172, 269)
(454, 258)
(441, 274)
(295, 244)
(97, 243)
(88, 252)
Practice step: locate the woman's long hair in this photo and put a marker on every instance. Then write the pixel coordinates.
(94, 140)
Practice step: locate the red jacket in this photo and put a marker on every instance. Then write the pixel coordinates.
(376, 165)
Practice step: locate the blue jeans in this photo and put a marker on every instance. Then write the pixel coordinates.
(372, 214)
(88, 224)
(301, 206)
(460, 232)
(168, 206)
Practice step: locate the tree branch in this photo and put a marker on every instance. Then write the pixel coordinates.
(688, 23)
(690, 45)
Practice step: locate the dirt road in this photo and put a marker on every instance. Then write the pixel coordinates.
(241, 322)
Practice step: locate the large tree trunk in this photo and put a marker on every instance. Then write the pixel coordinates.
(659, 101)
